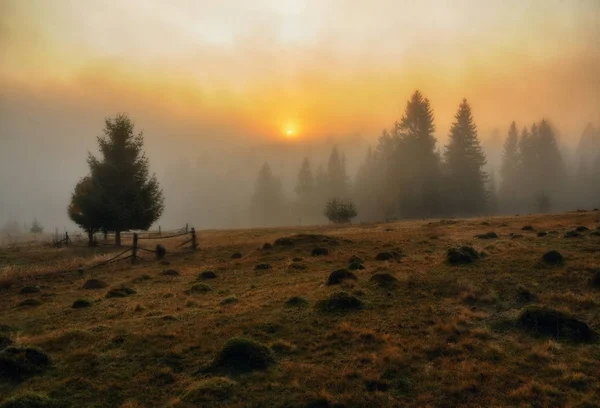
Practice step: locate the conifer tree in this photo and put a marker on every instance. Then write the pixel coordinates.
(36, 227)
(306, 191)
(268, 200)
(509, 170)
(86, 208)
(305, 184)
(464, 161)
(417, 165)
(131, 197)
(337, 178)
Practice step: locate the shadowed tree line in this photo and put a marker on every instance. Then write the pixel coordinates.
(408, 175)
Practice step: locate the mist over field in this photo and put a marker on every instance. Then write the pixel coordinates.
(217, 88)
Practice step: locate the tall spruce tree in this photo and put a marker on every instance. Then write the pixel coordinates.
(551, 172)
(509, 170)
(417, 165)
(337, 179)
(542, 173)
(305, 185)
(306, 192)
(267, 205)
(463, 161)
(131, 197)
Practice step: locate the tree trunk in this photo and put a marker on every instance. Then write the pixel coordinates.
(118, 238)
(90, 238)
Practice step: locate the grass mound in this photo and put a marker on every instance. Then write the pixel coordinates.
(339, 302)
(388, 256)
(5, 342)
(236, 255)
(582, 228)
(304, 239)
(243, 355)
(595, 281)
(319, 251)
(556, 324)
(209, 390)
(462, 255)
(29, 303)
(263, 267)
(487, 235)
(527, 228)
(337, 277)
(296, 301)
(207, 275)
(29, 400)
(542, 234)
(267, 246)
(81, 304)
(19, 363)
(525, 296)
(553, 258)
(142, 278)
(28, 290)
(120, 292)
(355, 266)
(95, 284)
(229, 300)
(199, 288)
(384, 280)
(169, 272)
(297, 266)
(356, 258)
(572, 234)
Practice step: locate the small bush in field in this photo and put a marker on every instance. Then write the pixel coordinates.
(340, 211)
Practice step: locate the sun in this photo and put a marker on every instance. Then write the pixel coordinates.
(290, 130)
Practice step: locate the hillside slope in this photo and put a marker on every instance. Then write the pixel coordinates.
(408, 330)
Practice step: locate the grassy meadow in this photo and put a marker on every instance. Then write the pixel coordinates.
(410, 329)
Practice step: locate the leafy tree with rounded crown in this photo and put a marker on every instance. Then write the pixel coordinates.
(340, 211)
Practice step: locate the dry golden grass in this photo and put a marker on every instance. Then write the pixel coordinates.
(443, 336)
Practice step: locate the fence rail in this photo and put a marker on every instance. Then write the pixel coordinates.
(159, 252)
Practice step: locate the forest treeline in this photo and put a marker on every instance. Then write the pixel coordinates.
(408, 175)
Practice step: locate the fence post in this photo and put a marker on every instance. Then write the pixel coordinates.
(67, 239)
(194, 245)
(134, 248)
(186, 227)
(159, 232)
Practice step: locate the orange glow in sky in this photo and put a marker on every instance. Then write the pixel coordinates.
(340, 66)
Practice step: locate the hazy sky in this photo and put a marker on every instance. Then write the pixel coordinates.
(211, 80)
(315, 67)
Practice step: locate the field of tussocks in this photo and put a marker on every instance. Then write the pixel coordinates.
(502, 327)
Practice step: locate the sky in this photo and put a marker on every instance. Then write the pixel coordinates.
(263, 68)
(196, 74)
